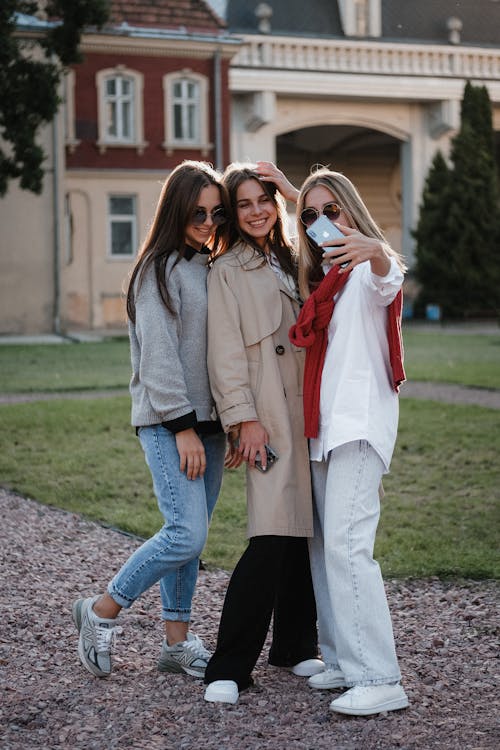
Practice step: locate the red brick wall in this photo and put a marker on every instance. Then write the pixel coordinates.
(87, 155)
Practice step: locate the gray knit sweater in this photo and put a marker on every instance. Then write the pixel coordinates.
(169, 352)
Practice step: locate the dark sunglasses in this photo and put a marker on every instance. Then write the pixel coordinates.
(200, 216)
(331, 211)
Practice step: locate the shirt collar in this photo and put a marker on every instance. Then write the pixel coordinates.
(190, 252)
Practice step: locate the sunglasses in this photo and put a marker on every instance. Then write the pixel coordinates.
(330, 210)
(200, 216)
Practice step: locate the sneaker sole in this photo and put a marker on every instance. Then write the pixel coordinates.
(230, 701)
(389, 706)
(329, 686)
(174, 668)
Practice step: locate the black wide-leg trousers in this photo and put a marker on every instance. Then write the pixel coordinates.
(272, 576)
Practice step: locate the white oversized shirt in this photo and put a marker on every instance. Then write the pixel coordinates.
(357, 399)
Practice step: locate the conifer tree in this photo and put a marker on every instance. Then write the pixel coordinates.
(432, 258)
(459, 267)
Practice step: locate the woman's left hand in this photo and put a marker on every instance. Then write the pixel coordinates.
(356, 247)
(233, 457)
(269, 172)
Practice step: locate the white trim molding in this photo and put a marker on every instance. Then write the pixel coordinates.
(70, 139)
(136, 138)
(199, 140)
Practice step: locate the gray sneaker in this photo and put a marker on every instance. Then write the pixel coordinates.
(96, 636)
(189, 656)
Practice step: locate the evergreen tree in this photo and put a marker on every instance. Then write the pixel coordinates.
(30, 72)
(460, 267)
(432, 258)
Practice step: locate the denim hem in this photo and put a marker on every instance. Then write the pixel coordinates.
(365, 682)
(121, 600)
(173, 615)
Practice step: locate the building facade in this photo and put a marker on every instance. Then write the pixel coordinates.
(151, 91)
(370, 87)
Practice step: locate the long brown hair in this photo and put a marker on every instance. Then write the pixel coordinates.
(346, 194)
(176, 205)
(278, 240)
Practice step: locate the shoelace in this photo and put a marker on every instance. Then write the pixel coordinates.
(105, 637)
(196, 647)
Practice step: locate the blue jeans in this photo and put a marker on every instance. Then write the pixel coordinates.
(171, 556)
(354, 624)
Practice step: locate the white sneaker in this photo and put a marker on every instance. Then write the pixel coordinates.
(308, 667)
(327, 679)
(370, 699)
(222, 691)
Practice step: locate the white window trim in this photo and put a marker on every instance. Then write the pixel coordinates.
(170, 143)
(132, 218)
(104, 141)
(70, 138)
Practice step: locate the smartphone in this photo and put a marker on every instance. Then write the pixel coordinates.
(323, 230)
(271, 456)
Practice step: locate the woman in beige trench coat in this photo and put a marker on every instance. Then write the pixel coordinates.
(256, 379)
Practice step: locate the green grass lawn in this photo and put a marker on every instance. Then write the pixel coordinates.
(64, 367)
(467, 358)
(440, 513)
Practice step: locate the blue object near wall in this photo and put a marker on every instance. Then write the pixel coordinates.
(433, 312)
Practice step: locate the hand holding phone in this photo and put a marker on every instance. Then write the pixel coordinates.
(323, 230)
(271, 456)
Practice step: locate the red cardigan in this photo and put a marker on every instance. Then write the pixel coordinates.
(311, 332)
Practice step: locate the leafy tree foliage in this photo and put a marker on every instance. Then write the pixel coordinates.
(458, 234)
(30, 72)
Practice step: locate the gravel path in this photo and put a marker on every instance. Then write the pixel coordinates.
(445, 633)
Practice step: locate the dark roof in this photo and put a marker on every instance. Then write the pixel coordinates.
(425, 20)
(402, 20)
(194, 15)
(294, 17)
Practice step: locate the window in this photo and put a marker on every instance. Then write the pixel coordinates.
(186, 111)
(120, 108)
(186, 105)
(119, 117)
(122, 226)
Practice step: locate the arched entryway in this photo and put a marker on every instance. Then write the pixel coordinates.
(370, 158)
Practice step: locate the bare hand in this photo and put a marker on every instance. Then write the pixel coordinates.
(191, 452)
(269, 172)
(233, 457)
(253, 438)
(356, 248)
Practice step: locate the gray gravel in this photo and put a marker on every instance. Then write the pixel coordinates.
(445, 633)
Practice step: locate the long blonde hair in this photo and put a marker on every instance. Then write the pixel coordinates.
(344, 192)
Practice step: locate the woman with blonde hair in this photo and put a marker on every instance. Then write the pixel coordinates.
(350, 327)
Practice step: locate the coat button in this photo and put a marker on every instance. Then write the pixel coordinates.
(280, 349)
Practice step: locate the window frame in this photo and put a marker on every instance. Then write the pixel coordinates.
(200, 141)
(136, 138)
(112, 218)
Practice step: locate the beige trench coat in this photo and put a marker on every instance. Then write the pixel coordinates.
(256, 373)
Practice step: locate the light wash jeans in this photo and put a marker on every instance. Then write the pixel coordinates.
(354, 624)
(171, 556)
